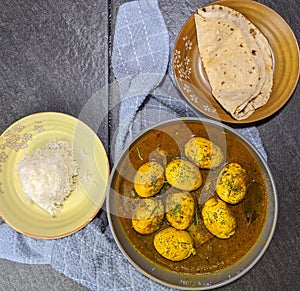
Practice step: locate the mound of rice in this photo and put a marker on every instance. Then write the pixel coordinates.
(48, 176)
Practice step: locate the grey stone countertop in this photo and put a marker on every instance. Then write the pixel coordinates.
(54, 55)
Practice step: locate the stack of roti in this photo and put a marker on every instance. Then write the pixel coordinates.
(237, 59)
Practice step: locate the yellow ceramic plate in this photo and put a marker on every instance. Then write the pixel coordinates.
(193, 83)
(23, 137)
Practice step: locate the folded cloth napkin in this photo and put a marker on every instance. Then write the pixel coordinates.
(140, 59)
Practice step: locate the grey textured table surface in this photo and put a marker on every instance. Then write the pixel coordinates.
(54, 55)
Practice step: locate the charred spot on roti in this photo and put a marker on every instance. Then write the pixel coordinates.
(252, 31)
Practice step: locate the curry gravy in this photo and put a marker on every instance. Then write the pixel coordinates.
(215, 254)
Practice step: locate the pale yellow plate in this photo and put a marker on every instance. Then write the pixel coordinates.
(191, 78)
(23, 137)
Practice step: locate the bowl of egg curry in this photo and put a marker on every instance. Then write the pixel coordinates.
(192, 204)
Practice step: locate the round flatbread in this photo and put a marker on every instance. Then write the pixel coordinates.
(237, 59)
